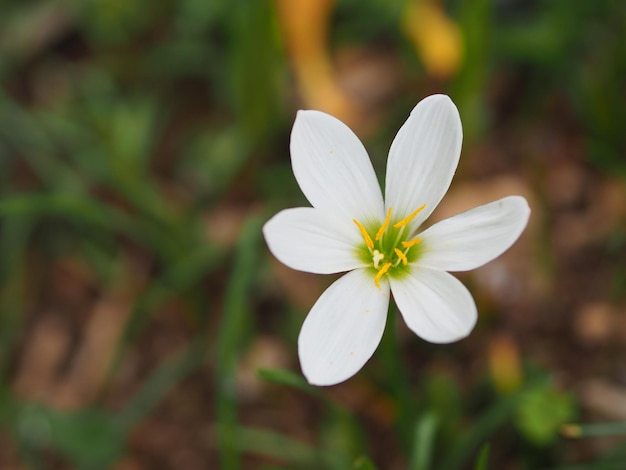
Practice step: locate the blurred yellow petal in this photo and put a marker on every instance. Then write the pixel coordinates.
(505, 364)
(436, 38)
(305, 28)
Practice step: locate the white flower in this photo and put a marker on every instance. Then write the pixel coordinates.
(350, 228)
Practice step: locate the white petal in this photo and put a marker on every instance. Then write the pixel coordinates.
(310, 240)
(435, 305)
(333, 169)
(475, 237)
(423, 158)
(343, 328)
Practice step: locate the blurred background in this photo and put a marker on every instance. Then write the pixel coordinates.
(143, 322)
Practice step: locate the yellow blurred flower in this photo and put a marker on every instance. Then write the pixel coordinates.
(436, 38)
(505, 364)
(304, 24)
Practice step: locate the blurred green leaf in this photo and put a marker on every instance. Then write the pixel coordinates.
(482, 461)
(161, 381)
(115, 22)
(196, 16)
(542, 411)
(543, 40)
(594, 429)
(234, 317)
(367, 20)
(468, 88)
(255, 66)
(21, 133)
(14, 237)
(271, 444)
(128, 130)
(443, 399)
(90, 438)
(484, 426)
(212, 160)
(364, 463)
(93, 437)
(613, 459)
(424, 442)
(397, 379)
(180, 276)
(79, 209)
(288, 378)
(343, 437)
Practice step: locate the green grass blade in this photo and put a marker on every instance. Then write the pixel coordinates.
(275, 445)
(287, 378)
(483, 427)
(424, 442)
(594, 430)
(161, 381)
(483, 458)
(364, 463)
(234, 318)
(14, 237)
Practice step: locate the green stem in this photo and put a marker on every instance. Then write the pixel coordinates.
(400, 386)
(594, 430)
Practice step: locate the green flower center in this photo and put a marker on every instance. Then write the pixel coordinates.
(390, 252)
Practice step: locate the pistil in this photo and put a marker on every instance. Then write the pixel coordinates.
(377, 257)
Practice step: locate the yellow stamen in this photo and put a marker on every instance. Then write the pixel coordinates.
(383, 227)
(406, 220)
(411, 243)
(366, 237)
(380, 273)
(402, 256)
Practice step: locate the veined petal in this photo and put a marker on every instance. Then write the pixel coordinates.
(343, 328)
(333, 169)
(311, 240)
(423, 158)
(475, 237)
(435, 305)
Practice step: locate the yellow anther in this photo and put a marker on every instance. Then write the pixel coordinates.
(402, 256)
(406, 220)
(366, 237)
(381, 273)
(383, 227)
(411, 243)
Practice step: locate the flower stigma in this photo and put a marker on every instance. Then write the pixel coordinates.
(377, 257)
(390, 251)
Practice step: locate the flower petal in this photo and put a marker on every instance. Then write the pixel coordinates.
(333, 169)
(475, 237)
(423, 158)
(311, 240)
(435, 305)
(343, 328)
